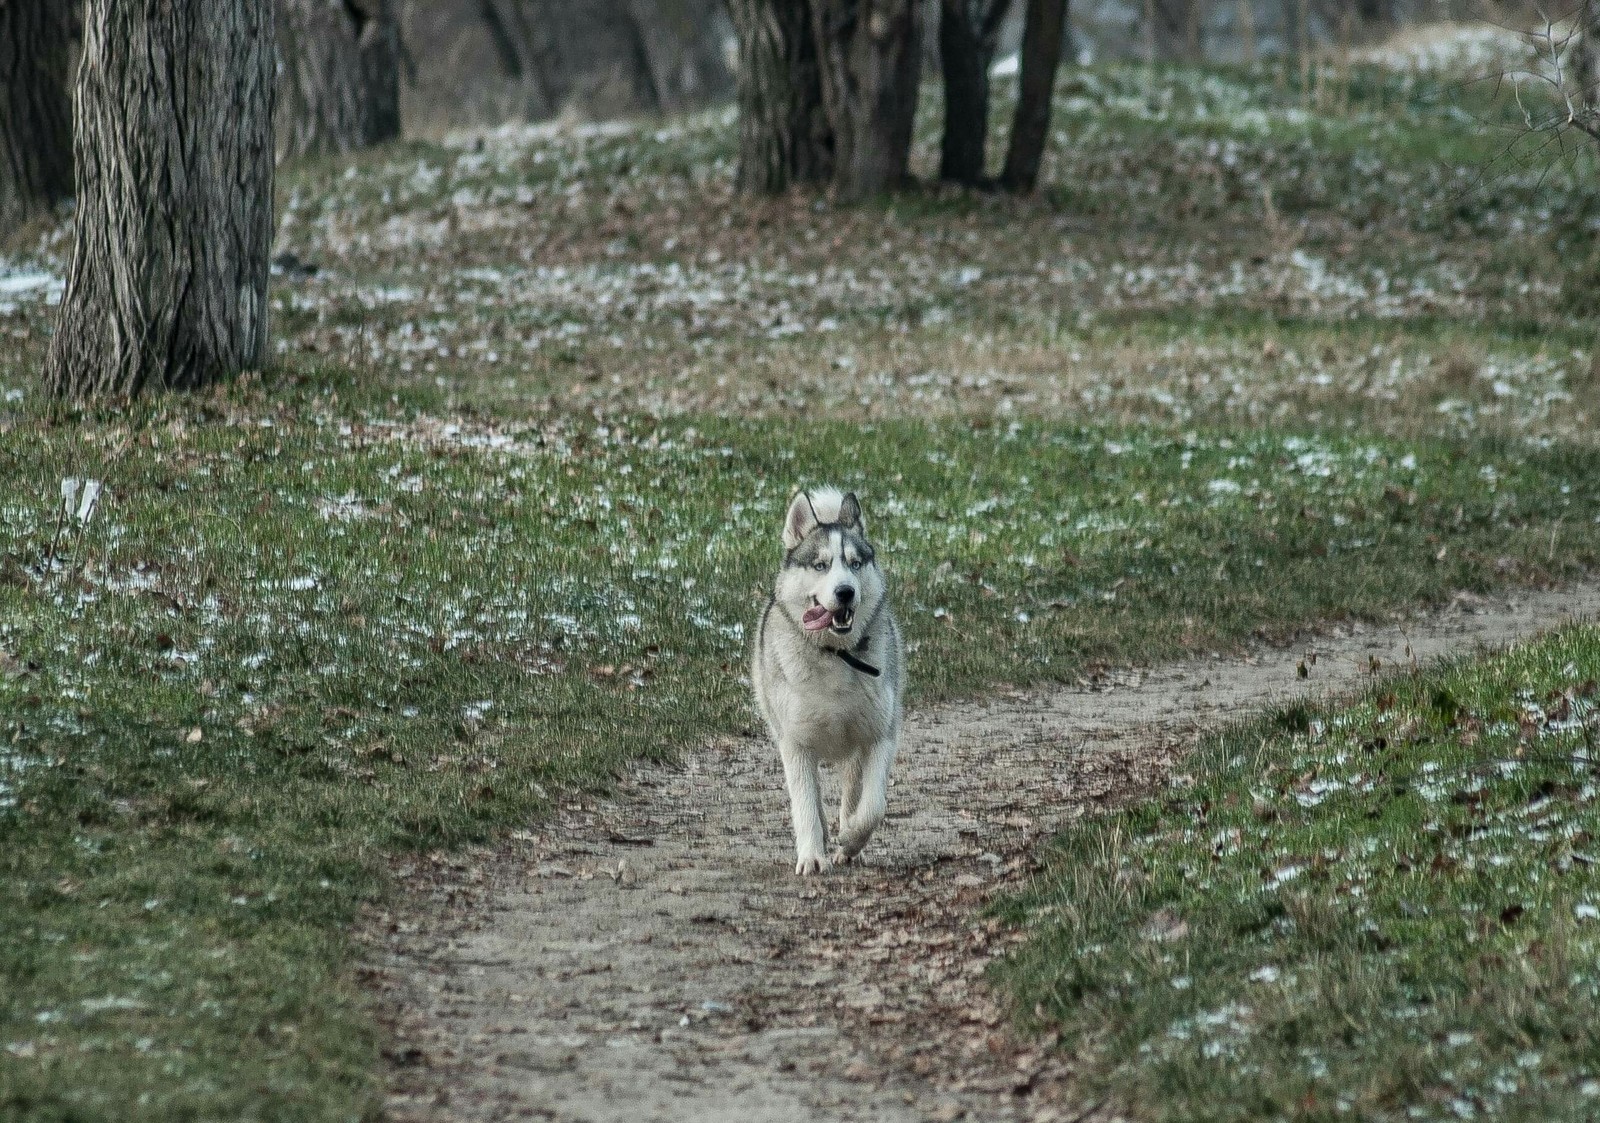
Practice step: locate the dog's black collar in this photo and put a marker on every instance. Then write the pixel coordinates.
(866, 637)
(848, 656)
(859, 664)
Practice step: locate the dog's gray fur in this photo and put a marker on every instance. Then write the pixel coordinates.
(819, 707)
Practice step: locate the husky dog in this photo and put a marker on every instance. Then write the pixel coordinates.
(828, 673)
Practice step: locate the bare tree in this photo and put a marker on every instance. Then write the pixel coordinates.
(35, 108)
(871, 57)
(678, 49)
(525, 43)
(341, 75)
(1565, 66)
(784, 135)
(968, 30)
(168, 281)
(1043, 26)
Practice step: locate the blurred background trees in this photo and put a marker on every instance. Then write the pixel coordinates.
(969, 34)
(338, 75)
(175, 139)
(784, 136)
(35, 108)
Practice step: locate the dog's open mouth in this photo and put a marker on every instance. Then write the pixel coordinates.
(839, 619)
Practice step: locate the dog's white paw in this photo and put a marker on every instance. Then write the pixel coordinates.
(842, 858)
(811, 864)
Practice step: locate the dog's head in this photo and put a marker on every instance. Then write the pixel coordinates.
(830, 582)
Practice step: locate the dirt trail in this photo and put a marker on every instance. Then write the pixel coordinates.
(653, 957)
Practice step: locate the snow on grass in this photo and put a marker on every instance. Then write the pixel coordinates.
(1369, 898)
(21, 285)
(1461, 51)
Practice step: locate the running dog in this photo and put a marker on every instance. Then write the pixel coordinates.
(829, 672)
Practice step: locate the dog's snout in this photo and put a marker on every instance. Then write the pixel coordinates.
(845, 594)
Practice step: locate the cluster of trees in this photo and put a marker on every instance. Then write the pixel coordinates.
(35, 109)
(339, 64)
(828, 91)
(180, 111)
(609, 56)
(182, 107)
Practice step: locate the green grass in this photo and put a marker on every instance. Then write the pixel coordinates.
(290, 645)
(1389, 910)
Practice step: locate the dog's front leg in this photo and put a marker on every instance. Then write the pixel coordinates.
(805, 809)
(871, 806)
(850, 794)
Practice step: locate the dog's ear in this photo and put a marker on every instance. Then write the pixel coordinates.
(800, 521)
(850, 514)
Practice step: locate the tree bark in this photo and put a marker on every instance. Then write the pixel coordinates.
(341, 75)
(35, 108)
(1030, 128)
(1586, 61)
(968, 30)
(167, 287)
(784, 135)
(871, 58)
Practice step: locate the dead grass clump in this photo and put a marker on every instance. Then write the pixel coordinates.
(1457, 369)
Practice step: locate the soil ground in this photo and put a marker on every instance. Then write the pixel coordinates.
(653, 956)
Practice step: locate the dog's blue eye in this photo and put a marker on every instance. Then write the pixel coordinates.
(821, 567)
(855, 563)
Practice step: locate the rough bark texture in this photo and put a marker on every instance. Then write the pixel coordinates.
(340, 75)
(168, 281)
(871, 55)
(1030, 128)
(35, 108)
(968, 31)
(784, 137)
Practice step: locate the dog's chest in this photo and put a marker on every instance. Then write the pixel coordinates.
(842, 713)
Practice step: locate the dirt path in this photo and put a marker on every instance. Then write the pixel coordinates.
(654, 957)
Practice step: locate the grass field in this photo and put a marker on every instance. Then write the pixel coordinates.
(1385, 911)
(499, 516)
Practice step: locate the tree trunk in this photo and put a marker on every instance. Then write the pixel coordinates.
(968, 30)
(1176, 33)
(1585, 63)
(35, 108)
(679, 47)
(784, 136)
(651, 40)
(341, 75)
(381, 54)
(528, 54)
(1373, 12)
(167, 287)
(1030, 129)
(871, 56)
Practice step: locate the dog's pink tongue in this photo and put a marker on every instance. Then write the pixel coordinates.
(816, 618)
